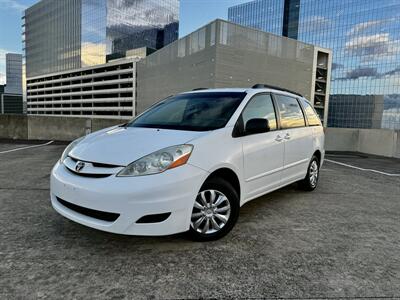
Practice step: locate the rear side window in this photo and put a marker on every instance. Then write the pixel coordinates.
(290, 112)
(312, 117)
(260, 107)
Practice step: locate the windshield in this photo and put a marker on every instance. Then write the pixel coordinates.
(196, 111)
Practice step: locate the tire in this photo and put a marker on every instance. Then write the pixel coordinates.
(310, 182)
(216, 206)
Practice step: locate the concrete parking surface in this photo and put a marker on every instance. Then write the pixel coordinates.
(342, 240)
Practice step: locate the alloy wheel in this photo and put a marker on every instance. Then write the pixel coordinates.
(211, 212)
(313, 173)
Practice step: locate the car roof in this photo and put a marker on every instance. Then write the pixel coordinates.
(243, 90)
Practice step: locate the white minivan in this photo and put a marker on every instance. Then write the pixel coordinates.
(190, 162)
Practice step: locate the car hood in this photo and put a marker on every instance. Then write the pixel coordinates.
(121, 146)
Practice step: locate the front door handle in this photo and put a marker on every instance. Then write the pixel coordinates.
(278, 138)
(287, 136)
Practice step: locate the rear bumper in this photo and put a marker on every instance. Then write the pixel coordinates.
(173, 191)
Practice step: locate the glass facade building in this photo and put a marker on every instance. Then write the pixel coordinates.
(365, 38)
(14, 73)
(62, 35)
(261, 14)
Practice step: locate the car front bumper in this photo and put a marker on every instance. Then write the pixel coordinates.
(173, 191)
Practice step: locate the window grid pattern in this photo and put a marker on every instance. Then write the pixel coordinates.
(364, 36)
(52, 36)
(265, 15)
(365, 39)
(69, 34)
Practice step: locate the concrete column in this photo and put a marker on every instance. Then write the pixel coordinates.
(88, 126)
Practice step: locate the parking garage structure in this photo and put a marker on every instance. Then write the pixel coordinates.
(106, 91)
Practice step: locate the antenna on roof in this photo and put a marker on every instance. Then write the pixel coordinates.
(267, 86)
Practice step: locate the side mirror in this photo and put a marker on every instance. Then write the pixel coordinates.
(254, 126)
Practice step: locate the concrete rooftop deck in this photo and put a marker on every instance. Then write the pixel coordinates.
(342, 240)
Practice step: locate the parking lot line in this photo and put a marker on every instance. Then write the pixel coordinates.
(27, 147)
(362, 169)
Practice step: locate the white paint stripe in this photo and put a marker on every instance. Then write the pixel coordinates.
(362, 169)
(28, 147)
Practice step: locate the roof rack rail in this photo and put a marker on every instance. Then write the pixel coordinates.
(199, 89)
(267, 86)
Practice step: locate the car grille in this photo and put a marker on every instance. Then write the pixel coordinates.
(91, 169)
(89, 174)
(96, 164)
(96, 214)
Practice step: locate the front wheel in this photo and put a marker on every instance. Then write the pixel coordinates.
(310, 182)
(215, 210)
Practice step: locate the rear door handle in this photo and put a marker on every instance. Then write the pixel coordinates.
(278, 138)
(287, 136)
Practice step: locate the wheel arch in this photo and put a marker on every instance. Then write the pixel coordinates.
(229, 175)
(318, 154)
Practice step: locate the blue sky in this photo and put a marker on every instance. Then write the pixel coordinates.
(10, 29)
(193, 15)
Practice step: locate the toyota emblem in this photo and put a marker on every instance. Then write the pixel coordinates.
(79, 166)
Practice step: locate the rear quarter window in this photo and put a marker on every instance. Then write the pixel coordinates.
(290, 112)
(312, 116)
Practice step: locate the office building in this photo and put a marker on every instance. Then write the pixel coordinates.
(223, 54)
(252, 14)
(62, 35)
(106, 91)
(11, 92)
(10, 103)
(80, 55)
(13, 73)
(364, 36)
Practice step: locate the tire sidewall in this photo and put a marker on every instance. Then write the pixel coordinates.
(226, 188)
(307, 179)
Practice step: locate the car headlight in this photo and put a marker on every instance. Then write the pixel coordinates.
(69, 149)
(158, 161)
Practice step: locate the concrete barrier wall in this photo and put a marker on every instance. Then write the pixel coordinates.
(372, 141)
(56, 128)
(378, 141)
(50, 128)
(341, 139)
(397, 152)
(383, 142)
(14, 127)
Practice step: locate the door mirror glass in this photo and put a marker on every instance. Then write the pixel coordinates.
(257, 125)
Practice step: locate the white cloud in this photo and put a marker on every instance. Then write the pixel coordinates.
(13, 4)
(373, 46)
(367, 41)
(315, 22)
(3, 66)
(358, 28)
(3, 54)
(140, 12)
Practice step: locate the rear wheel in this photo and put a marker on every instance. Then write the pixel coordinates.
(215, 210)
(310, 182)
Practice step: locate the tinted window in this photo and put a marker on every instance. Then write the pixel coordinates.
(312, 117)
(290, 112)
(197, 111)
(260, 106)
